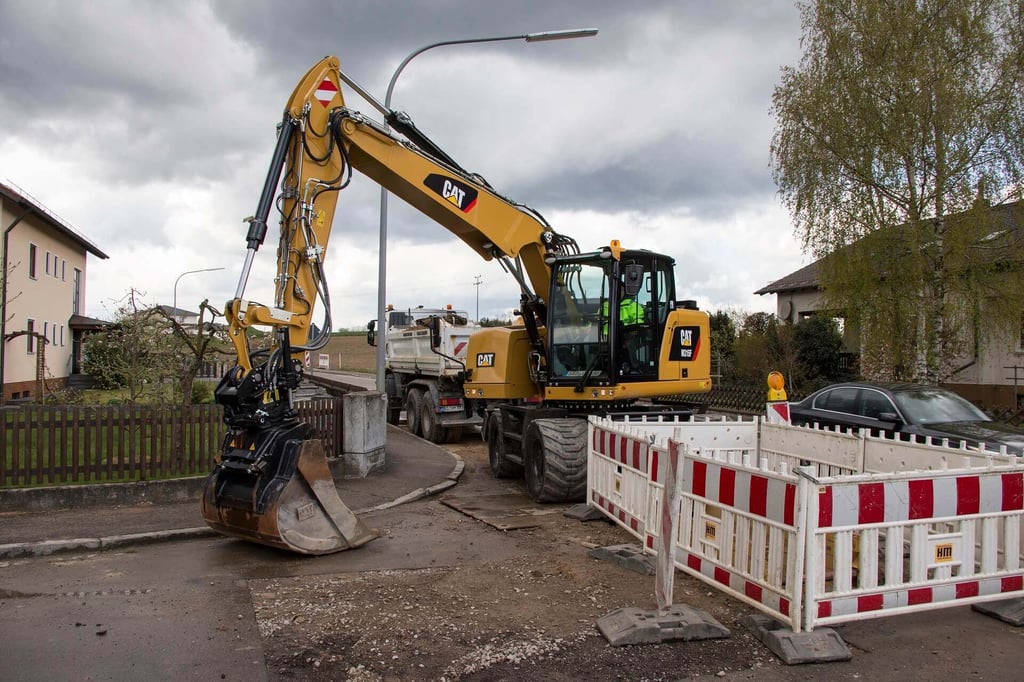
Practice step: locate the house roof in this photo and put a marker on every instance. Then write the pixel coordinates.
(1006, 219)
(171, 311)
(86, 323)
(17, 195)
(804, 278)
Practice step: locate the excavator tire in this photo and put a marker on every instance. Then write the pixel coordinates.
(292, 505)
(413, 407)
(555, 452)
(501, 467)
(430, 422)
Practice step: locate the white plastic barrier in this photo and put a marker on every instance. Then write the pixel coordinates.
(835, 454)
(812, 550)
(738, 531)
(896, 543)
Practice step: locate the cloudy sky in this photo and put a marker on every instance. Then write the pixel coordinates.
(149, 125)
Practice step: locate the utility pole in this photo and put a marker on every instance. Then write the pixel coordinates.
(477, 284)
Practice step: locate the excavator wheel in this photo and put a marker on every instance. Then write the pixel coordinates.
(430, 421)
(290, 502)
(501, 467)
(555, 452)
(413, 408)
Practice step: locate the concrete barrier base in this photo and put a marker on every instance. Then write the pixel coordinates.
(364, 429)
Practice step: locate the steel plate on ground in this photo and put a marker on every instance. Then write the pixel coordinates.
(504, 512)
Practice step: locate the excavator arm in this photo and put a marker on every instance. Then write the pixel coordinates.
(320, 142)
(272, 484)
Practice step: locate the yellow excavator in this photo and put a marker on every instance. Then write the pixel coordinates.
(598, 332)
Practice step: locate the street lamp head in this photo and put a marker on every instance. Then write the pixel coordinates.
(560, 35)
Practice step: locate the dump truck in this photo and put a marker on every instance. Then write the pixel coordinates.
(425, 368)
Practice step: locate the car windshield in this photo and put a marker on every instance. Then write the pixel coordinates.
(936, 406)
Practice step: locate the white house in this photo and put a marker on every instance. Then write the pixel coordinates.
(991, 370)
(44, 273)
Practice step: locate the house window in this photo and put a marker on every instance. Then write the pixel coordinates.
(30, 340)
(63, 270)
(47, 262)
(46, 330)
(32, 261)
(62, 336)
(76, 290)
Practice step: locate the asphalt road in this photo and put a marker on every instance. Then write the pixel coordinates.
(184, 611)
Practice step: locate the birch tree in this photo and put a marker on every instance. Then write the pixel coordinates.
(898, 130)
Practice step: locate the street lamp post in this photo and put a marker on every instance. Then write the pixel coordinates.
(382, 264)
(477, 282)
(174, 311)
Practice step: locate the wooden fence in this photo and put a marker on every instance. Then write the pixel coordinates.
(60, 445)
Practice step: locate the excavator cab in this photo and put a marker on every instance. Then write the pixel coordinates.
(607, 317)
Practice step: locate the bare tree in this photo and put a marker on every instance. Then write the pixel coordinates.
(193, 347)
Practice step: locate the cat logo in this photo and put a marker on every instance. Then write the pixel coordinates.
(485, 359)
(685, 344)
(459, 194)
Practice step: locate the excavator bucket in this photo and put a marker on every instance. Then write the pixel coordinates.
(281, 493)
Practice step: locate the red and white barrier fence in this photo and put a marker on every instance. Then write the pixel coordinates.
(759, 521)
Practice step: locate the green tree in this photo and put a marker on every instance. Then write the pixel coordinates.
(723, 344)
(494, 322)
(764, 344)
(819, 347)
(903, 121)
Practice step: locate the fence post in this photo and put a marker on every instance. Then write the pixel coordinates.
(665, 569)
(808, 550)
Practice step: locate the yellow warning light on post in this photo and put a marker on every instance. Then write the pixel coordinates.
(776, 387)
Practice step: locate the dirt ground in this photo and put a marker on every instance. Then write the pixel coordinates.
(523, 604)
(530, 617)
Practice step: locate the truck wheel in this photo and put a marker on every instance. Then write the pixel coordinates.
(555, 452)
(394, 409)
(430, 420)
(501, 467)
(413, 407)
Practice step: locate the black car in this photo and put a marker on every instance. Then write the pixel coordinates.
(911, 410)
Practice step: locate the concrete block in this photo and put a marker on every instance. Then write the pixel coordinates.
(584, 512)
(364, 421)
(364, 428)
(627, 556)
(823, 645)
(678, 623)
